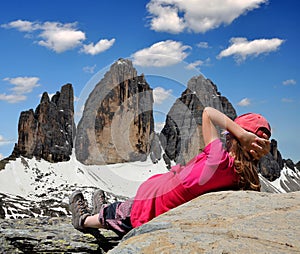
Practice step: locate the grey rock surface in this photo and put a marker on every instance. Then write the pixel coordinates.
(270, 165)
(50, 235)
(117, 120)
(222, 222)
(47, 133)
(181, 136)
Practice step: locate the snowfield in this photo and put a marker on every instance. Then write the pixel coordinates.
(31, 178)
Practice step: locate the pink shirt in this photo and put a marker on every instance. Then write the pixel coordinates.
(211, 170)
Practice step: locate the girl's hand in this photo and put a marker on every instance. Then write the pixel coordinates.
(258, 147)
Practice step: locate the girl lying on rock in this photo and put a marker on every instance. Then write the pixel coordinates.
(233, 167)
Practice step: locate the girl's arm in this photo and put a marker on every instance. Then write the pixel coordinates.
(211, 118)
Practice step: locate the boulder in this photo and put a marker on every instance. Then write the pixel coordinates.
(222, 222)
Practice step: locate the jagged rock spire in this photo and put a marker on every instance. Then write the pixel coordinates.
(48, 131)
(117, 121)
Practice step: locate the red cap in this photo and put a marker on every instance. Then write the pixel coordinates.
(254, 123)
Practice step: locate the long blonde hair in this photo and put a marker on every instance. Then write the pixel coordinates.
(245, 166)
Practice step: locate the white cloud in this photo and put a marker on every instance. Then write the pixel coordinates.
(241, 48)
(165, 18)
(160, 94)
(203, 44)
(194, 65)
(58, 36)
(89, 69)
(100, 46)
(21, 25)
(1, 156)
(289, 82)
(12, 98)
(175, 16)
(164, 53)
(23, 84)
(244, 102)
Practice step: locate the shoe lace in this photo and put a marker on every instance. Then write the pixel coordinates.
(81, 204)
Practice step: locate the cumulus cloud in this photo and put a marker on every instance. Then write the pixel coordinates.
(21, 25)
(289, 82)
(160, 94)
(165, 18)
(244, 102)
(100, 46)
(164, 53)
(241, 48)
(176, 16)
(1, 156)
(21, 86)
(58, 36)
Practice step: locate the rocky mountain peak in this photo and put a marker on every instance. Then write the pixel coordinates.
(45, 98)
(181, 136)
(117, 121)
(208, 94)
(120, 71)
(48, 131)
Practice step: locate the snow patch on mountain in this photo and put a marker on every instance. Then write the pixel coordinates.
(31, 187)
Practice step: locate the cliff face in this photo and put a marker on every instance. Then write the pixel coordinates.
(181, 136)
(117, 122)
(48, 131)
(271, 165)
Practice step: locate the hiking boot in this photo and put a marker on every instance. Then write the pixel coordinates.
(79, 209)
(98, 200)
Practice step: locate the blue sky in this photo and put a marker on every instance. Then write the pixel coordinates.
(249, 49)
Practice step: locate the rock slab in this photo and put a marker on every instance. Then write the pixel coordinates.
(222, 222)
